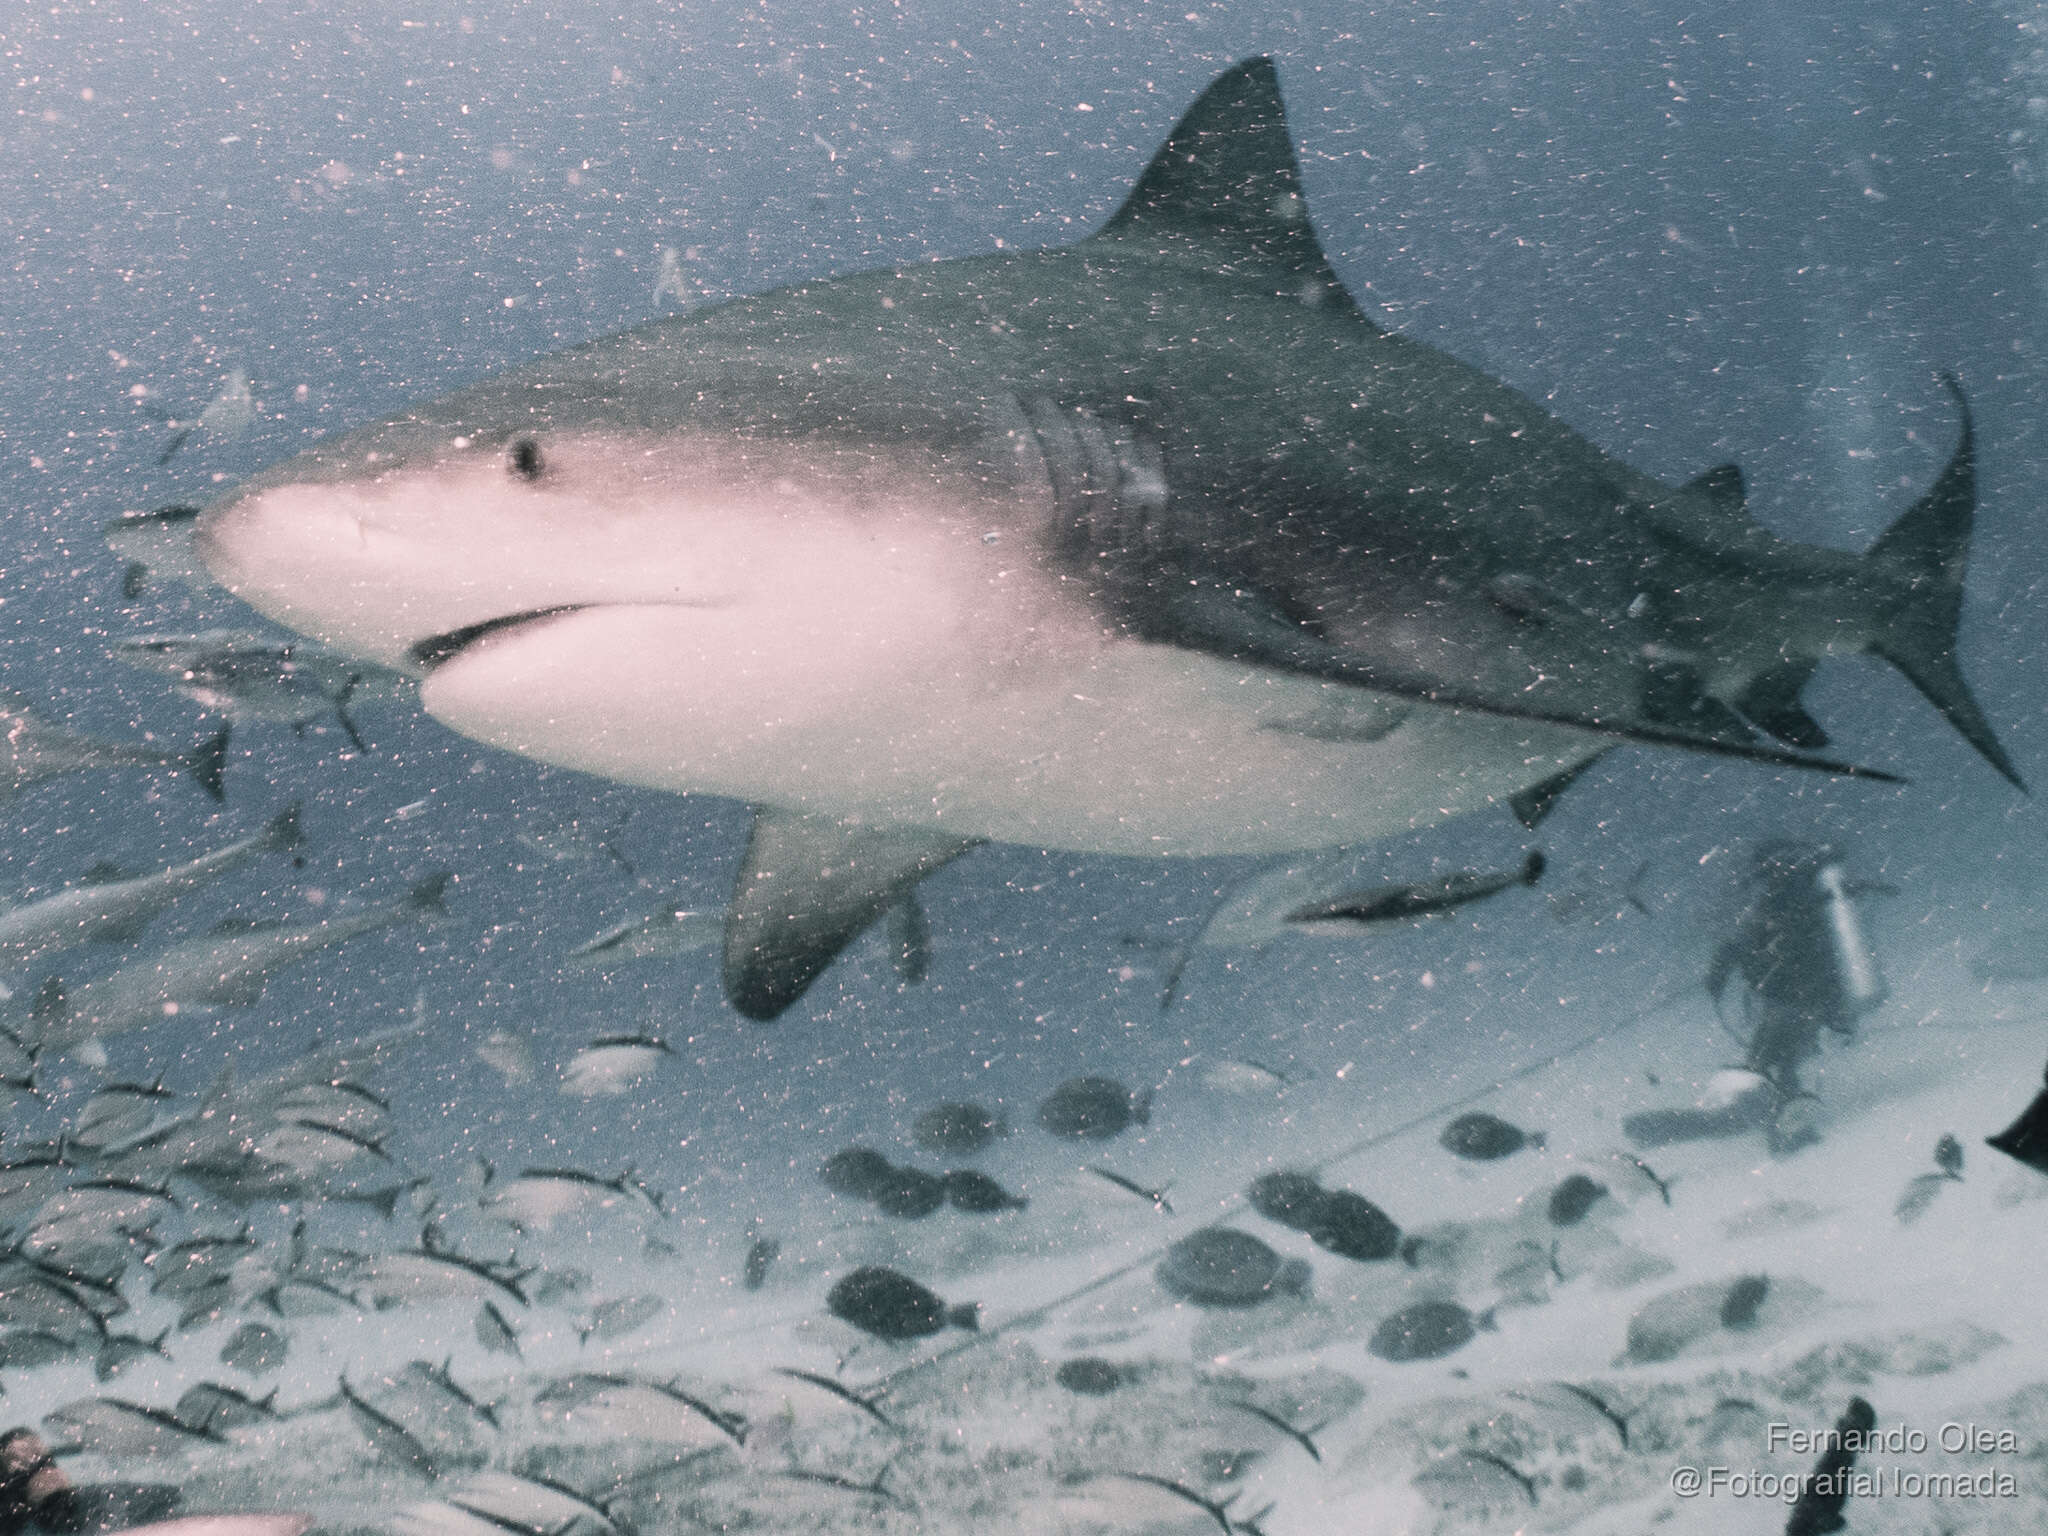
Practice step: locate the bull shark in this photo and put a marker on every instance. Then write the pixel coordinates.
(1154, 544)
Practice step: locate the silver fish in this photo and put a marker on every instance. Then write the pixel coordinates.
(495, 1332)
(612, 1066)
(388, 1437)
(255, 1349)
(666, 930)
(112, 1426)
(620, 1316)
(509, 1053)
(539, 1197)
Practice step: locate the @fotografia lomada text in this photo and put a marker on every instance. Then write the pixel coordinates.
(1872, 1482)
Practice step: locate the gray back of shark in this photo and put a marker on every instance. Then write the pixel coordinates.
(1153, 544)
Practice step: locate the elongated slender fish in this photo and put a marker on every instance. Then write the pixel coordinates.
(107, 907)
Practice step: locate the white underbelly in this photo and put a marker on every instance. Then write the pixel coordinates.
(1103, 745)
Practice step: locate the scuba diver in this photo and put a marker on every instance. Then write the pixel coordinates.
(1806, 966)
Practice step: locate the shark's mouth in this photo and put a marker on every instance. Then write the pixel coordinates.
(433, 651)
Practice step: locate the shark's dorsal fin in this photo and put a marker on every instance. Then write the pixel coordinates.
(808, 887)
(1226, 187)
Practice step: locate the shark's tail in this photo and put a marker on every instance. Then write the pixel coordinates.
(1923, 555)
(208, 763)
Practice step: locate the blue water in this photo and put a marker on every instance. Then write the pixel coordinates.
(1697, 237)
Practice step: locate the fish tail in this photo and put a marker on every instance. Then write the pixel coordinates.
(283, 831)
(966, 1315)
(425, 899)
(208, 763)
(49, 1013)
(341, 715)
(1923, 554)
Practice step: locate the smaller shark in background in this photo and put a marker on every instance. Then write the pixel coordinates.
(108, 907)
(226, 968)
(248, 676)
(33, 749)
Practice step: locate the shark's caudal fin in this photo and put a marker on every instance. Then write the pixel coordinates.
(1226, 189)
(809, 886)
(1925, 552)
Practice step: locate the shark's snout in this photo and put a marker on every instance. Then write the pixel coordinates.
(431, 652)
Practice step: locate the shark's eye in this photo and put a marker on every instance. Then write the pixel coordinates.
(526, 459)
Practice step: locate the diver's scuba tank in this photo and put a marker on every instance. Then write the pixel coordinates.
(1857, 976)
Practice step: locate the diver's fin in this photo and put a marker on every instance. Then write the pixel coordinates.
(1772, 701)
(1539, 800)
(1247, 625)
(807, 888)
(1926, 550)
(1225, 190)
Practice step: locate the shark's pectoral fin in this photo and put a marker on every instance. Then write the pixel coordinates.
(808, 887)
(1666, 707)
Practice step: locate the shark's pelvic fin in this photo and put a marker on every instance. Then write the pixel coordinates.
(1926, 550)
(808, 887)
(1226, 189)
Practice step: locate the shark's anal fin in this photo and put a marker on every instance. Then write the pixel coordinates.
(1772, 701)
(808, 887)
(1538, 800)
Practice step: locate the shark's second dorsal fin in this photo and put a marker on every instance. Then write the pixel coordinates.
(105, 872)
(1722, 485)
(1226, 186)
(808, 887)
